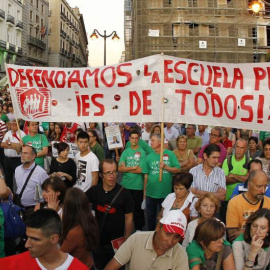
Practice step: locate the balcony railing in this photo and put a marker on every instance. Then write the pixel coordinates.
(19, 51)
(36, 42)
(10, 19)
(2, 14)
(11, 47)
(3, 44)
(19, 24)
(73, 56)
(63, 15)
(63, 33)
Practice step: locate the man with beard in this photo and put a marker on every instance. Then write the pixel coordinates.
(243, 205)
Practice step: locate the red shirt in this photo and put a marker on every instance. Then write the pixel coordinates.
(227, 143)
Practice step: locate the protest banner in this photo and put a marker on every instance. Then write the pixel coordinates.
(195, 92)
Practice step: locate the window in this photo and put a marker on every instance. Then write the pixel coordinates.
(41, 22)
(32, 2)
(31, 15)
(42, 9)
(30, 51)
(37, 4)
(37, 19)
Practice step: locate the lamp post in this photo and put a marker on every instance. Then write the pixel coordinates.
(95, 35)
(256, 7)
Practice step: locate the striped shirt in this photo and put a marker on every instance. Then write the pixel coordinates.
(211, 183)
(3, 130)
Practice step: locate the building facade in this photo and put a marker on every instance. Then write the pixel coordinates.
(11, 28)
(207, 30)
(35, 36)
(67, 31)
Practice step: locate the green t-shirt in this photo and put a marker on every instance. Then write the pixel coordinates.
(264, 135)
(45, 125)
(237, 169)
(143, 144)
(4, 118)
(155, 188)
(38, 141)
(98, 150)
(132, 158)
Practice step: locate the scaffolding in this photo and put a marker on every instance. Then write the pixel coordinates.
(206, 30)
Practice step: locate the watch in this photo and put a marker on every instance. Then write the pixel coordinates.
(2, 176)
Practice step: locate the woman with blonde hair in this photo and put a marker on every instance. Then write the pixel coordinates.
(207, 206)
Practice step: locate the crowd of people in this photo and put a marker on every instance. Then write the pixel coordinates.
(190, 197)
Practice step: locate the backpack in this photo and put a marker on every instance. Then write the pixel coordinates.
(13, 221)
(229, 162)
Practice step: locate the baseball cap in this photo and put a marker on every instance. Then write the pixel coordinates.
(174, 222)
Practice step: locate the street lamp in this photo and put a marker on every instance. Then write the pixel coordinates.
(95, 35)
(256, 7)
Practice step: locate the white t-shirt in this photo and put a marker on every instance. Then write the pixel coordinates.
(63, 266)
(145, 135)
(85, 166)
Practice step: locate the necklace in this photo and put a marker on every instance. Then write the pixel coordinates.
(177, 202)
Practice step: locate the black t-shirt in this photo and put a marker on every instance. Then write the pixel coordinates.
(68, 167)
(114, 225)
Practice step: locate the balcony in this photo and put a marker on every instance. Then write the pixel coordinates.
(69, 55)
(63, 15)
(36, 42)
(10, 20)
(73, 56)
(67, 37)
(62, 51)
(63, 33)
(19, 50)
(11, 47)
(2, 15)
(3, 44)
(19, 25)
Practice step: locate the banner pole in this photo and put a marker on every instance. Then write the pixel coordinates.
(161, 149)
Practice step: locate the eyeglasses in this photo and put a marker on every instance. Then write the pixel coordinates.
(214, 135)
(110, 173)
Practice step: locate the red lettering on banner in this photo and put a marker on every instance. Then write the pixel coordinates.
(155, 77)
(45, 78)
(90, 73)
(217, 75)
(85, 105)
(179, 71)
(29, 77)
(260, 109)
(196, 104)
(167, 71)
(209, 78)
(247, 108)
(183, 100)
(146, 72)
(75, 78)
(189, 73)
(37, 78)
(97, 104)
(10, 71)
(133, 95)
(22, 78)
(216, 97)
(260, 75)
(124, 74)
(227, 99)
(58, 84)
(113, 76)
(238, 76)
(226, 84)
(146, 102)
